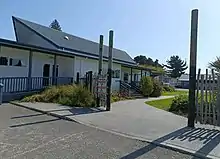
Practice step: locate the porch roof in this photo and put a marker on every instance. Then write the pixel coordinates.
(136, 67)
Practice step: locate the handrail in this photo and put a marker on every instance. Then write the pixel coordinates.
(124, 88)
(135, 87)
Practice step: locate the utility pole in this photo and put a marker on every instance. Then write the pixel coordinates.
(109, 80)
(192, 71)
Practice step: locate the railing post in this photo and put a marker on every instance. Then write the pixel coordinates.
(1, 92)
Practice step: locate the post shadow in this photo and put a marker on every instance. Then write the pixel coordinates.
(27, 116)
(210, 138)
(32, 123)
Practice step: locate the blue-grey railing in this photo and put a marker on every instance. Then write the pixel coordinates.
(135, 85)
(1, 92)
(23, 84)
(124, 88)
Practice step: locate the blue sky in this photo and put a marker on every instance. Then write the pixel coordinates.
(155, 28)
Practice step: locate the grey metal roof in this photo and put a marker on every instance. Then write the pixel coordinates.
(59, 39)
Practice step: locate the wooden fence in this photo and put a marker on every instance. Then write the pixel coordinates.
(208, 98)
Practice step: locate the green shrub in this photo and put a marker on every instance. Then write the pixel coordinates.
(115, 97)
(71, 95)
(179, 104)
(168, 88)
(146, 86)
(157, 88)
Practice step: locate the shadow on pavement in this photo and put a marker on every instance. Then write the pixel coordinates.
(32, 123)
(209, 137)
(26, 116)
(81, 110)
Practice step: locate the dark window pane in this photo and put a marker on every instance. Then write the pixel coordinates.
(4, 61)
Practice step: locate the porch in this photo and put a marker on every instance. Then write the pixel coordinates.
(25, 84)
(17, 87)
(130, 80)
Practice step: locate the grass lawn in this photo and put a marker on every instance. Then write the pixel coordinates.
(161, 104)
(178, 92)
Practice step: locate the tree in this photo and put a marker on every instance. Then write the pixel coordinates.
(150, 62)
(176, 67)
(55, 25)
(215, 64)
(146, 86)
(141, 60)
(156, 62)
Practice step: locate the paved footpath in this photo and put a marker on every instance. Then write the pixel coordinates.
(133, 118)
(29, 134)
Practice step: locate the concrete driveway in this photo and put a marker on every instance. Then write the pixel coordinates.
(135, 119)
(29, 134)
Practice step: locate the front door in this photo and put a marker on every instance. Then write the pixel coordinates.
(125, 77)
(46, 74)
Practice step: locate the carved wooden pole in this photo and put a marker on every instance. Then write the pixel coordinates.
(100, 66)
(109, 82)
(192, 71)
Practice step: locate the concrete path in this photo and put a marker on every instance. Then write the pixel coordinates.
(135, 119)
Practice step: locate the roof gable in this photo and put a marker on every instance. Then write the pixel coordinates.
(58, 38)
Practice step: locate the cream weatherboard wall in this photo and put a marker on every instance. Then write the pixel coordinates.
(14, 71)
(68, 67)
(38, 62)
(65, 64)
(83, 65)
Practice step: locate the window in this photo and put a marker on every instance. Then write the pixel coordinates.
(115, 73)
(4, 61)
(16, 62)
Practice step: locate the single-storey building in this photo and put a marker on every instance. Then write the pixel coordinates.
(40, 52)
(183, 80)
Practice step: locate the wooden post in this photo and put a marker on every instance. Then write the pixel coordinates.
(1, 92)
(90, 81)
(218, 101)
(29, 86)
(86, 80)
(77, 78)
(54, 70)
(100, 66)
(109, 82)
(131, 75)
(192, 71)
(100, 53)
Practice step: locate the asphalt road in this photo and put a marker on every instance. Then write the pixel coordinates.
(29, 134)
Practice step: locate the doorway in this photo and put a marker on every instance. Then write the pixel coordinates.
(46, 74)
(125, 77)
